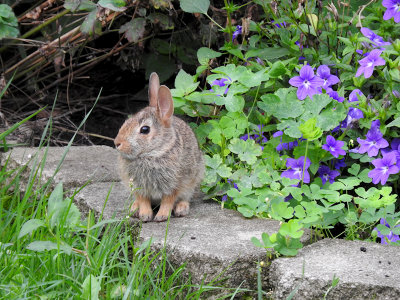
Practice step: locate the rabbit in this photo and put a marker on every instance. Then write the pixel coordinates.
(159, 157)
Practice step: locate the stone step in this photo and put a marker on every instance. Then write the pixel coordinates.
(214, 242)
(81, 164)
(365, 271)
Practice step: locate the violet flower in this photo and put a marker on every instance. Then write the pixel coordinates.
(307, 83)
(394, 148)
(375, 39)
(237, 32)
(391, 237)
(334, 146)
(284, 146)
(221, 82)
(339, 163)
(372, 143)
(257, 136)
(327, 174)
(393, 10)
(279, 25)
(295, 170)
(353, 97)
(353, 115)
(334, 95)
(324, 73)
(383, 168)
(368, 63)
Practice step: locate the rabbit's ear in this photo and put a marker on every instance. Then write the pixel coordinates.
(165, 106)
(154, 85)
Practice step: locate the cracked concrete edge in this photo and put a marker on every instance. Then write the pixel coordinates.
(81, 164)
(362, 274)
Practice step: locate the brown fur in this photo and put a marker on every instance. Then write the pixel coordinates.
(164, 166)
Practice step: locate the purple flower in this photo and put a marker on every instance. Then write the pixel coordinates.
(257, 136)
(375, 39)
(327, 174)
(353, 97)
(372, 143)
(383, 168)
(375, 124)
(237, 32)
(393, 10)
(361, 52)
(295, 170)
(221, 82)
(396, 93)
(279, 25)
(339, 163)
(391, 237)
(334, 146)
(394, 148)
(353, 115)
(324, 73)
(334, 95)
(300, 45)
(284, 146)
(307, 83)
(368, 63)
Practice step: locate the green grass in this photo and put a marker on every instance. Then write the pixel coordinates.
(47, 252)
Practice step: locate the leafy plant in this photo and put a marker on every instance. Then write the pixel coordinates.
(287, 129)
(8, 22)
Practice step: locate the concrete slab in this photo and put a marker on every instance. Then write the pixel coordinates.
(111, 199)
(365, 271)
(210, 241)
(81, 164)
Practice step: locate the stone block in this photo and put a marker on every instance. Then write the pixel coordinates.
(365, 271)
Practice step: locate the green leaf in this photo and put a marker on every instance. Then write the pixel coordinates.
(267, 53)
(246, 150)
(41, 246)
(91, 25)
(198, 6)
(287, 247)
(7, 31)
(256, 242)
(8, 22)
(277, 69)
(233, 103)
(245, 211)
(395, 122)
(204, 55)
(91, 288)
(250, 79)
(185, 82)
(355, 168)
(115, 5)
(162, 20)
(74, 5)
(281, 210)
(309, 130)
(215, 168)
(133, 30)
(55, 199)
(29, 226)
(315, 105)
(292, 228)
(363, 176)
(282, 105)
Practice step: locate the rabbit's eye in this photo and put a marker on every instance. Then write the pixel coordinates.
(144, 129)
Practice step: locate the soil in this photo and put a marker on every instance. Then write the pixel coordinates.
(120, 93)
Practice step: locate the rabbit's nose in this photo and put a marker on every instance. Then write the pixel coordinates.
(117, 143)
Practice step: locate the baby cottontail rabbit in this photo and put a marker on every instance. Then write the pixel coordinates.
(159, 157)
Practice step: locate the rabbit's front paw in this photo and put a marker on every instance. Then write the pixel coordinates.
(181, 209)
